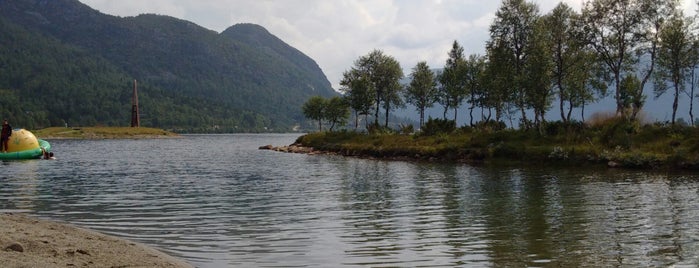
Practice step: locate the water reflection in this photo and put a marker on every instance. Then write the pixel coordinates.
(234, 205)
(23, 180)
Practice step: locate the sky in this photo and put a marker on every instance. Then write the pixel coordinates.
(336, 33)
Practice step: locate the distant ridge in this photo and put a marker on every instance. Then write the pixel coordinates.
(72, 64)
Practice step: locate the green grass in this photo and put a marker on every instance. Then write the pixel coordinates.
(102, 133)
(626, 144)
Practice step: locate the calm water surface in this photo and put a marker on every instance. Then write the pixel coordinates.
(217, 201)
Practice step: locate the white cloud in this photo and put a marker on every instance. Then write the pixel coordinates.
(335, 33)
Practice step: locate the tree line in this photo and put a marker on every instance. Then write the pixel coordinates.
(610, 47)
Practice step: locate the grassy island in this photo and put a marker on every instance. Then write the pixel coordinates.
(616, 143)
(103, 133)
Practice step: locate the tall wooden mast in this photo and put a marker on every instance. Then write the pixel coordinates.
(135, 118)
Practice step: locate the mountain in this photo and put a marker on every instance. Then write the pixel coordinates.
(67, 63)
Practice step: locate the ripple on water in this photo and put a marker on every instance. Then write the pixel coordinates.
(217, 201)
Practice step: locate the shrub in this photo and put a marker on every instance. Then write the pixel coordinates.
(407, 129)
(600, 118)
(556, 128)
(558, 153)
(435, 126)
(617, 132)
(490, 125)
(378, 129)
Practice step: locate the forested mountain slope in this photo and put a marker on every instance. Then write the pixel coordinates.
(63, 62)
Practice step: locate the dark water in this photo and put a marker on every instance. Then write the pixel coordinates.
(217, 201)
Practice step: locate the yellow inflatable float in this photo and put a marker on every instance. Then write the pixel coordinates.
(24, 145)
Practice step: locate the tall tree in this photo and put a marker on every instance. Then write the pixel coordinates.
(359, 93)
(611, 29)
(560, 26)
(587, 83)
(422, 90)
(453, 89)
(675, 58)
(629, 94)
(499, 73)
(577, 75)
(511, 32)
(653, 14)
(383, 73)
(695, 56)
(336, 111)
(537, 73)
(618, 28)
(474, 75)
(314, 109)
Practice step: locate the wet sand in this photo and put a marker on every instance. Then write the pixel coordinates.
(32, 242)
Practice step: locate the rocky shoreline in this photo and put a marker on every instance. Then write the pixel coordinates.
(293, 148)
(301, 149)
(297, 148)
(30, 242)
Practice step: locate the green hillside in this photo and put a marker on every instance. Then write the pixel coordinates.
(63, 62)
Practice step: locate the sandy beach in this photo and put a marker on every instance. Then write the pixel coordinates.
(32, 242)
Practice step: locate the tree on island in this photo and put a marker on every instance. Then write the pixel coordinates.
(475, 86)
(677, 55)
(622, 32)
(511, 35)
(531, 59)
(577, 74)
(334, 110)
(359, 94)
(452, 90)
(382, 74)
(313, 109)
(537, 74)
(422, 90)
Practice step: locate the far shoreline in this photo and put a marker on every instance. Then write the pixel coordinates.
(87, 133)
(649, 148)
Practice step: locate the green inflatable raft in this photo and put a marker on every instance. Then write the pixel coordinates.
(24, 145)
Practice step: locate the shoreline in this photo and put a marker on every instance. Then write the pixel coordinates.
(32, 242)
(672, 150)
(95, 133)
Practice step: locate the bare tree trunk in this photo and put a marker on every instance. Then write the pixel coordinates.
(691, 99)
(582, 111)
(376, 115)
(422, 117)
(561, 103)
(570, 111)
(388, 108)
(356, 120)
(470, 109)
(524, 114)
(674, 102)
(455, 109)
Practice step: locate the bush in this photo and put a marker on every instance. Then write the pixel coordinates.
(436, 126)
(617, 132)
(557, 128)
(490, 125)
(407, 129)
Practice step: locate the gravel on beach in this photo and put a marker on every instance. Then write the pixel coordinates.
(31, 242)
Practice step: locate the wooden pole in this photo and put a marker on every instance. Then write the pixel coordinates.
(135, 118)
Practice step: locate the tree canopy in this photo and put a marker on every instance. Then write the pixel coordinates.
(533, 60)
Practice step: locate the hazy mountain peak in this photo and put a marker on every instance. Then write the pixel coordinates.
(242, 79)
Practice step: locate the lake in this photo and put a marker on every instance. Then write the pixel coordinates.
(218, 201)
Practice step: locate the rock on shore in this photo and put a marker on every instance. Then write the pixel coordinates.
(294, 148)
(30, 242)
